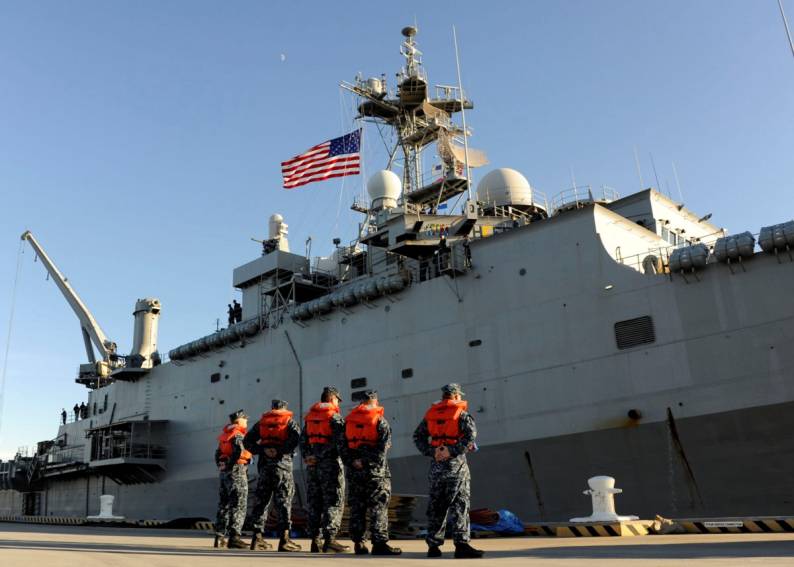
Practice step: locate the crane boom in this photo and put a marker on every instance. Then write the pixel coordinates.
(91, 329)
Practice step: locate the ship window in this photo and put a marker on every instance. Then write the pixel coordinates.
(358, 383)
(408, 373)
(475, 342)
(359, 396)
(215, 377)
(105, 404)
(634, 332)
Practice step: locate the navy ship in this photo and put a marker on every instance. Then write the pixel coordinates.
(593, 333)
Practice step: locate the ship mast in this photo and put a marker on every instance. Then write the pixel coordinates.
(418, 120)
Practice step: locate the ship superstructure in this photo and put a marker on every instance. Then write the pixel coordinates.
(593, 334)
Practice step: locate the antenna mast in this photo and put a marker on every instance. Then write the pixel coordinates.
(462, 116)
(785, 24)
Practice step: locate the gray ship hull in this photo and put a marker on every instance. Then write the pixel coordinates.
(531, 333)
(738, 463)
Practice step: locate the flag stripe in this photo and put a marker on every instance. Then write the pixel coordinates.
(312, 162)
(325, 162)
(334, 158)
(321, 149)
(342, 169)
(322, 178)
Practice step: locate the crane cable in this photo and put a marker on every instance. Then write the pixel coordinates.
(10, 328)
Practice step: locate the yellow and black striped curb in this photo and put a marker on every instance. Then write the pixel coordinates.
(52, 520)
(609, 529)
(761, 524)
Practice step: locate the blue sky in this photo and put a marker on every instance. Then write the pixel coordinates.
(141, 141)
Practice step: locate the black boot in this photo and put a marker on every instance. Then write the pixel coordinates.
(220, 541)
(465, 551)
(286, 544)
(258, 543)
(433, 551)
(360, 548)
(333, 546)
(235, 542)
(315, 548)
(383, 548)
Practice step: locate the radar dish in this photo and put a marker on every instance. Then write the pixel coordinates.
(409, 31)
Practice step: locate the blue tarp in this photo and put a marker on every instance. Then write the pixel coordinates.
(508, 524)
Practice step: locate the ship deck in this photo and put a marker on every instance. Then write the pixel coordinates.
(24, 544)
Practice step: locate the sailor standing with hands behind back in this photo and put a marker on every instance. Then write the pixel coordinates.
(446, 434)
(274, 439)
(321, 440)
(232, 460)
(367, 440)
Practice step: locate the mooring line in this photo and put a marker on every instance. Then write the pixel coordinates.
(10, 328)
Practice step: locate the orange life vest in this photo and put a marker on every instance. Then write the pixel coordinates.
(318, 422)
(273, 428)
(225, 443)
(442, 421)
(361, 425)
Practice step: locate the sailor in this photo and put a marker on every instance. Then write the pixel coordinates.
(83, 410)
(232, 460)
(467, 251)
(230, 311)
(76, 410)
(446, 434)
(321, 441)
(63, 416)
(238, 311)
(274, 439)
(367, 440)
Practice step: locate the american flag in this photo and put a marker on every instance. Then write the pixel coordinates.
(334, 158)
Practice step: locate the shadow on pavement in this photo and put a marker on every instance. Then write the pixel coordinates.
(712, 549)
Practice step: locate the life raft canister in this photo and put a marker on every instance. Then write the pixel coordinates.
(227, 448)
(273, 428)
(318, 422)
(361, 425)
(442, 421)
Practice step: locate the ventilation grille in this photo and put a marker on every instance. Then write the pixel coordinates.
(359, 396)
(634, 332)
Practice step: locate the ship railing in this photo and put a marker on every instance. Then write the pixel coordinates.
(661, 254)
(581, 195)
(73, 454)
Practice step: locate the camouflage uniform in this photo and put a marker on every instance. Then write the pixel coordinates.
(276, 480)
(325, 482)
(233, 498)
(369, 489)
(450, 484)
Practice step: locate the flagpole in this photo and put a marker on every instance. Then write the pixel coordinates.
(463, 116)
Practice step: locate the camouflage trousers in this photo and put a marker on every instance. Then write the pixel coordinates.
(233, 500)
(368, 496)
(450, 493)
(325, 488)
(276, 485)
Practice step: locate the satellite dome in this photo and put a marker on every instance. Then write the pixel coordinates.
(384, 188)
(505, 186)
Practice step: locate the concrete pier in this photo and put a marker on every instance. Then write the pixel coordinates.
(55, 546)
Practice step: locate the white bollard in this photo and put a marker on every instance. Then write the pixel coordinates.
(602, 490)
(106, 509)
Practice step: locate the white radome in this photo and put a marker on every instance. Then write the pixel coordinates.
(384, 188)
(504, 186)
